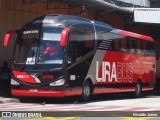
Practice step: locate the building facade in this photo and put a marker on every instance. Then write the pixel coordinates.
(15, 13)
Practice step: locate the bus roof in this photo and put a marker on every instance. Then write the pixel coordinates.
(58, 20)
(131, 34)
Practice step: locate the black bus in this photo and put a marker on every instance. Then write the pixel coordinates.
(63, 55)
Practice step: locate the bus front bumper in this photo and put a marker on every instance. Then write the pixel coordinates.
(46, 93)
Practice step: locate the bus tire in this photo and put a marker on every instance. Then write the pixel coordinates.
(86, 91)
(29, 99)
(138, 89)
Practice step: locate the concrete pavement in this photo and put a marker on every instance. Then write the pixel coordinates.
(7, 98)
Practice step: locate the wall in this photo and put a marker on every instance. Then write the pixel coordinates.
(14, 14)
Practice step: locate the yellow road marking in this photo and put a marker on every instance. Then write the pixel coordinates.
(65, 118)
(52, 118)
(137, 118)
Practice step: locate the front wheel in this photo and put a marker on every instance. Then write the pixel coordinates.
(138, 90)
(86, 91)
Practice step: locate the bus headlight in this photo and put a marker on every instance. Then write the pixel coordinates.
(13, 82)
(57, 83)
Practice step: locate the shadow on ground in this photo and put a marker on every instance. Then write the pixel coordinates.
(95, 98)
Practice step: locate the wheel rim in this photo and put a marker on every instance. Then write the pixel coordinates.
(138, 89)
(86, 90)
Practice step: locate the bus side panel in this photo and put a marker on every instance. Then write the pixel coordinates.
(115, 68)
(120, 71)
(144, 69)
(77, 73)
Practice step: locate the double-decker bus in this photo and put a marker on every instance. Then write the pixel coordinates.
(90, 57)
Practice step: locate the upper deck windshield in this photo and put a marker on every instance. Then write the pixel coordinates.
(39, 50)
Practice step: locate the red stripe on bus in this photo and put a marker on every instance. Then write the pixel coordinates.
(113, 90)
(46, 93)
(135, 35)
(23, 76)
(116, 90)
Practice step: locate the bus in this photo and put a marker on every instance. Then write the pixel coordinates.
(90, 58)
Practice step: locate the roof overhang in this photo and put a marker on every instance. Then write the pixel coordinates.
(91, 5)
(147, 15)
(98, 5)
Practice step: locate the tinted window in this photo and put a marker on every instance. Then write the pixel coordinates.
(149, 48)
(133, 44)
(81, 41)
(115, 42)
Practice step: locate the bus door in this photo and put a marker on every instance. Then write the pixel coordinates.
(80, 46)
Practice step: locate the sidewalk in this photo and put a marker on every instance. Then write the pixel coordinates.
(7, 99)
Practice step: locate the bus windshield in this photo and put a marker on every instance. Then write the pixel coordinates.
(35, 50)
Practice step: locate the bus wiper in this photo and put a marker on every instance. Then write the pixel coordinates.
(51, 70)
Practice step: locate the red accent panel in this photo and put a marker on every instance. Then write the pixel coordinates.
(7, 37)
(23, 76)
(147, 88)
(116, 90)
(127, 69)
(46, 93)
(56, 93)
(113, 90)
(131, 34)
(64, 36)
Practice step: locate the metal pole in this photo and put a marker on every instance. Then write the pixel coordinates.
(132, 3)
(144, 3)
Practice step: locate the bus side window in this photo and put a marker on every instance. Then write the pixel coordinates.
(89, 40)
(85, 39)
(142, 47)
(81, 42)
(117, 44)
(139, 47)
(152, 49)
(123, 44)
(133, 45)
(128, 45)
(145, 48)
(149, 48)
(72, 46)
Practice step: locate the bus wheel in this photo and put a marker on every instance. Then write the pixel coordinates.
(138, 90)
(86, 91)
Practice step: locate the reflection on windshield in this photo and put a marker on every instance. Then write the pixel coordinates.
(51, 52)
(31, 51)
(25, 48)
(31, 57)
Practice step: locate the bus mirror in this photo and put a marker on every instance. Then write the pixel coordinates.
(64, 36)
(7, 37)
